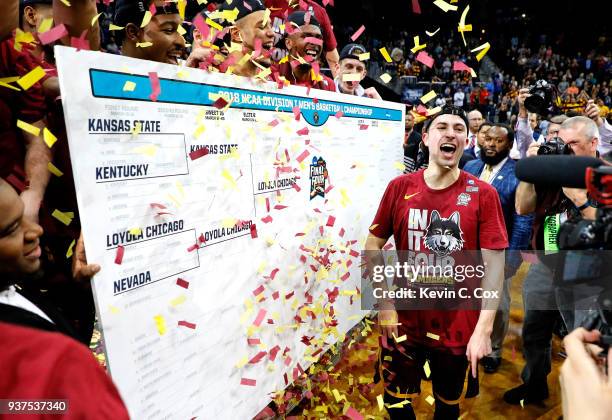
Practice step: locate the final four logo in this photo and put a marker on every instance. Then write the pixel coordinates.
(318, 177)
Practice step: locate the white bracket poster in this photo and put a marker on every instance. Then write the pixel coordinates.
(227, 229)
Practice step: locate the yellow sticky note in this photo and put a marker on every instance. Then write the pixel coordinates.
(428, 96)
(351, 77)
(144, 44)
(386, 78)
(433, 336)
(445, 6)
(484, 48)
(430, 400)
(417, 45)
(65, 218)
(48, 137)
(28, 128)
(363, 57)
(31, 78)
(129, 86)
(385, 55)
(160, 323)
(45, 25)
(427, 369)
(70, 250)
(54, 170)
(146, 19)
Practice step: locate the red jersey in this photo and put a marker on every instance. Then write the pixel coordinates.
(434, 224)
(44, 365)
(285, 71)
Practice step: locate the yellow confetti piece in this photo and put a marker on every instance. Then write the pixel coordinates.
(31, 78)
(417, 45)
(229, 223)
(181, 30)
(136, 129)
(45, 25)
(28, 128)
(144, 44)
(385, 55)
(427, 369)
(135, 231)
(95, 19)
(428, 96)
(160, 323)
(5, 83)
(430, 400)
(178, 301)
(445, 6)
(351, 77)
(462, 26)
(399, 166)
(433, 336)
(148, 150)
(22, 37)
(399, 339)
(484, 48)
(266, 17)
(54, 170)
(225, 174)
(146, 19)
(399, 404)
(433, 111)
(381, 402)
(522, 403)
(264, 74)
(70, 250)
(182, 5)
(364, 56)
(112, 27)
(337, 395)
(214, 24)
(386, 78)
(129, 86)
(66, 2)
(113, 309)
(432, 33)
(48, 137)
(374, 226)
(65, 218)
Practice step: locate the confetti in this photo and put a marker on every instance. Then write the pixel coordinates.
(330, 221)
(112, 27)
(248, 382)
(364, 56)
(433, 336)
(339, 114)
(303, 131)
(357, 33)
(45, 25)
(302, 156)
(260, 316)
(53, 169)
(129, 86)
(196, 154)
(417, 45)
(119, 255)
(187, 324)
(385, 55)
(445, 6)
(462, 26)
(427, 369)
(428, 96)
(155, 86)
(430, 400)
(220, 103)
(353, 414)
(253, 231)
(144, 44)
(416, 7)
(267, 219)
(351, 77)
(399, 339)
(425, 58)
(381, 402)
(70, 250)
(386, 78)
(160, 324)
(31, 78)
(484, 48)
(95, 19)
(146, 18)
(48, 137)
(64, 217)
(432, 33)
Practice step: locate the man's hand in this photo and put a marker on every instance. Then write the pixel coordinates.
(586, 390)
(372, 93)
(31, 204)
(577, 195)
(201, 54)
(593, 112)
(81, 271)
(522, 95)
(478, 347)
(387, 320)
(532, 150)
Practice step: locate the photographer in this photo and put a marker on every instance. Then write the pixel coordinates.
(579, 136)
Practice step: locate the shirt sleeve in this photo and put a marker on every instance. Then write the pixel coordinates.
(382, 225)
(524, 136)
(492, 228)
(329, 39)
(605, 138)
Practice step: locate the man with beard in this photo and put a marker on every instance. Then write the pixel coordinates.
(305, 45)
(350, 64)
(496, 168)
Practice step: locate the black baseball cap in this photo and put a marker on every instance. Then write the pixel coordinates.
(299, 18)
(24, 3)
(133, 11)
(448, 110)
(244, 7)
(352, 51)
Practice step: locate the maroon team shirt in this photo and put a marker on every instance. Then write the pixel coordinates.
(408, 207)
(284, 69)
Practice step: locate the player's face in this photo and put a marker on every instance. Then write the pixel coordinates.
(19, 245)
(252, 28)
(299, 47)
(351, 66)
(168, 45)
(579, 142)
(446, 139)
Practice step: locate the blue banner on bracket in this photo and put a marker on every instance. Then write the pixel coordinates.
(108, 84)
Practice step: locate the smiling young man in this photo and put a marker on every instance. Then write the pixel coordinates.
(433, 215)
(304, 42)
(350, 65)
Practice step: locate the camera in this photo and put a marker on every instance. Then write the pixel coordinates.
(542, 96)
(555, 146)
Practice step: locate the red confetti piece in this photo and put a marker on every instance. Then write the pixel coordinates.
(330, 221)
(53, 34)
(288, 360)
(425, 58)
(182, 283)
(388, 246)
(267, 204)
(80, 43)
(220, 103)
(247, 5)
(354, 253)
(267, 219)
(275, 295)
(201, 238)
(153, 9)
(259, 290)
(253, 341)
(201, 26)
(296, 187)
(341, 233)
(248, 382)
(300, 234)
(19, 185)
(363, 126)
(289, 295)
(193, 247)
(357, 33)
(313, 40)
(157, 206)
(253, 231)
(119, 255)
(257, 357)
(260, 317)
(297, 112)
(345, 276)
(273, 352)
(303, 131)
(196, 154)
(155, 86)
(416, 7)
(187, 324)
(461, 66)
(303, 156)
(273, 123)
(353, 414)
(339, 114)
(279, 207)
(315, 100)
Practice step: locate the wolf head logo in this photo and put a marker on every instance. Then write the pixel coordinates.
(443, 236)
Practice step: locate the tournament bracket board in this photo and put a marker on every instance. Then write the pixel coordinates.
(231, 262)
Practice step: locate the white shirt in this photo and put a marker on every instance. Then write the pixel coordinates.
(494, 171)
(11, 297)
(458, 98)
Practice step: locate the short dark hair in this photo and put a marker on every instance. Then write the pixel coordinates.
(508, 129)
(448, 110)
(487, 123)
